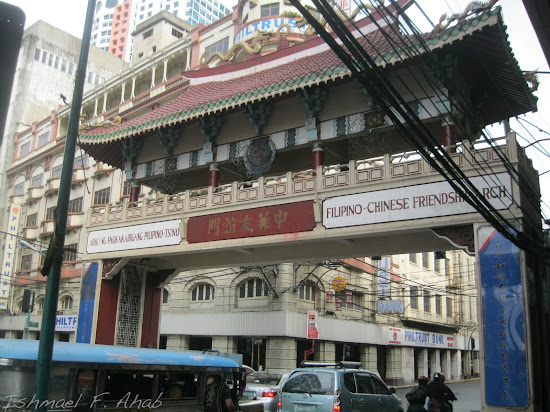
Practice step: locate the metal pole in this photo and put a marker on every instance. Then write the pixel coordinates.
(47, 333)
(27, 325)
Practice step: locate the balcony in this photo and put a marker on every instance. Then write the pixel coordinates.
(47, 228)
(333, 180)
(79, 176)
(102, 170)
(34, 194)
(75, 221)
(31, 232)
(52, 187)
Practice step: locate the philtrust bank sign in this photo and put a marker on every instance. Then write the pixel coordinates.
(413, 202)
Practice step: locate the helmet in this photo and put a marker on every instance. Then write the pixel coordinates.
(437, 376)
(423, 380)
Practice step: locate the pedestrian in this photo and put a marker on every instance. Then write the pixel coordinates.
(417, 396)
(227, 405)
(440, 395)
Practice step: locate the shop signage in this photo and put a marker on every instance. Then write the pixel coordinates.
(506, 379)
(8, 264)
(264, 221)
(386, 307)
(149, 235)
(413, 202)
(87, 303)
(312, 331)
(409, 337)
(338, 283)
(65, 323)
(268, 25)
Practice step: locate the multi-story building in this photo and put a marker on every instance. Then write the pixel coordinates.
(239, 289)
(116, 20)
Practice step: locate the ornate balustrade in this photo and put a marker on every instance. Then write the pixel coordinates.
(306, 184)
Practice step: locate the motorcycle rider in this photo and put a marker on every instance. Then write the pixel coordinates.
(417, 396)
(440, 394)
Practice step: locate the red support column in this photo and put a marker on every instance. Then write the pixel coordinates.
(318, 156)
(134, 193)
(214, 175)
(449, 138)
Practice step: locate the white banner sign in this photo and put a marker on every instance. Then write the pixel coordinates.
(65, 323)
(8, 264)
(408, 337)
(413, 202)
(135, 237)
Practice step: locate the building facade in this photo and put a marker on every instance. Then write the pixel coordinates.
(116, 20)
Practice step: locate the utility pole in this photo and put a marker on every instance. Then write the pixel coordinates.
(54, 258)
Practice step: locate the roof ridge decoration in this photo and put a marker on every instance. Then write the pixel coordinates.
(323, 69)
(257, 44)
(475, 7)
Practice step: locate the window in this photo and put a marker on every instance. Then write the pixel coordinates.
(165, 295)
(270, 10)
(437, 264)
(177, 33)
(427, 301)
(425, 260)
(50, 213)
(220, 46)
(56, 62)
(70, 252)
(56, 171)
(19, 188)
(350, 300)
(31, 220)
(412, 257)
(71, 68)
(414, 297)
(66, 302)
(64, 65)
(75, 205)
(44, 57)
(25, 148)
(102, 197)
(38, 180)
(449, 307)
(438, 304)
(50, 60)
(43, 138)
(307, 291)
(202, 292)
(81, 162)
(253, 288)
(37, 54)
(26, 262)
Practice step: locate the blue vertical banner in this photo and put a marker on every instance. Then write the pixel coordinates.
(506, 382)
(87, 304)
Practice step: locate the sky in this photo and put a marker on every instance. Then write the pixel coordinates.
(69, 15)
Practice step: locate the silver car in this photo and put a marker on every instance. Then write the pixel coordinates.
(264, 386)
(342, 386)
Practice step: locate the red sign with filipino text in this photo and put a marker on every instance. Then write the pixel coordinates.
(263, 221)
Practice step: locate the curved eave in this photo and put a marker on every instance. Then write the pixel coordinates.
(483, 36)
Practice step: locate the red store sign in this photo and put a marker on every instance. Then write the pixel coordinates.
(264, 221)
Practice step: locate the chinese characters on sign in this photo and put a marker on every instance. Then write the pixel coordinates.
(503, 321)
(272, 220)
